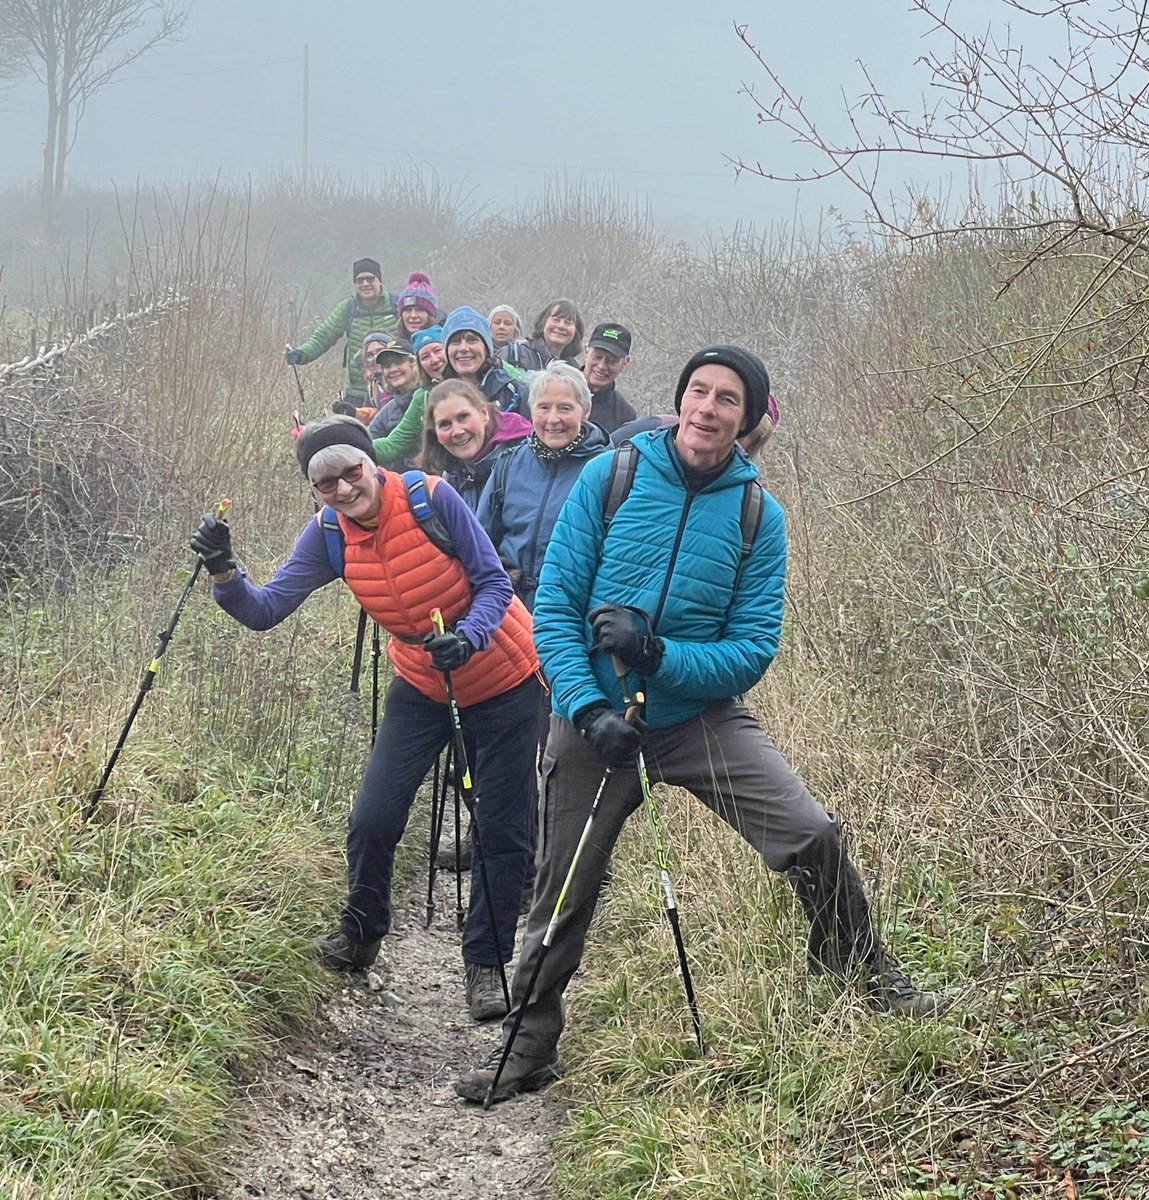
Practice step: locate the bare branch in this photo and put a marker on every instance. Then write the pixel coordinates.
(75, 48)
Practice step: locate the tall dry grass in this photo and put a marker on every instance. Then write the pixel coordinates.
(963, 675)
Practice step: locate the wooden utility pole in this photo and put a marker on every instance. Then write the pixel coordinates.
(306, 104)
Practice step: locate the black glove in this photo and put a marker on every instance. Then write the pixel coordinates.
(345, 408)
(449, 651)
(629, 633)
(212, 542)
(294, 357)
(610, 734)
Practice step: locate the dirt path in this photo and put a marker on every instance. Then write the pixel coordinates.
(366, 1109)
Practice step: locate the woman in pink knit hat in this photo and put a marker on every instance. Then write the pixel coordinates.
(416, 305)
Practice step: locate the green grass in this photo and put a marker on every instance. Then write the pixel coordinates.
(156, 954)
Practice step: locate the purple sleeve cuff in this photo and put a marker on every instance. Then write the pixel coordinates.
(306, 570)
(491, 591)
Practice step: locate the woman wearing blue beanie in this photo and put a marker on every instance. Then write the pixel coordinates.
(471, 356)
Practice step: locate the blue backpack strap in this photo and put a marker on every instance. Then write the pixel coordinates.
(419, 497)
(333, 536)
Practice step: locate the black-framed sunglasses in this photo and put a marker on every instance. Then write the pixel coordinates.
(330, 483)
(365, 279)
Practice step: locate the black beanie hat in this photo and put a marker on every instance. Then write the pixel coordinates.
(366, 264)
(747, 366)
(332, 431)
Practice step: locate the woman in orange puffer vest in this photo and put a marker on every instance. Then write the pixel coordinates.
(398, 574)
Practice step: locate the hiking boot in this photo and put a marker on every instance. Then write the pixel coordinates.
(888, 989)
(483, 987)
(522, 1073)
(445, 859)
(338, 952)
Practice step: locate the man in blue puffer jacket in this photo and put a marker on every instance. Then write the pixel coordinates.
(667, 588)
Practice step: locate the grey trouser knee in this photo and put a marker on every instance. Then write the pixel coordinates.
(725, 758)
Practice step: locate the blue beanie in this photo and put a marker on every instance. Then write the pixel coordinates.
(420, 338)
(467, 318)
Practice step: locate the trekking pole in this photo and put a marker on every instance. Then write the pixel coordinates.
(460, 915)
(149, 677)
(440, 781)
(660, 856)
(552, 926)
(298, 381)
(466, 790)
(433, 849)
(357, 656)
(375, 651)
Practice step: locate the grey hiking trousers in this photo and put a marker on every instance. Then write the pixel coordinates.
(725, 758)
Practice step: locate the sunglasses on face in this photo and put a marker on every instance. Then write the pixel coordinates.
(364, 279)
(328, 485)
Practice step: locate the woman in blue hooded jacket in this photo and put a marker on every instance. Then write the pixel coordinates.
(522, 498)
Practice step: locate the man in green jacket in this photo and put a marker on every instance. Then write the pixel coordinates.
(370, 308)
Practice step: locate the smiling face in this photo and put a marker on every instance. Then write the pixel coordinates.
(371, 367)
(502, 329)
(557, 416)
(603, 368)
(461, 427)
(710, 416)
(414, 319)
(558, 333)
(432, 358)
(400, 373)
(357, 497)
(368, 287)
(466, 352)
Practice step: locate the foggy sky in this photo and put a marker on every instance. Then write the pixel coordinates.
(639, 95)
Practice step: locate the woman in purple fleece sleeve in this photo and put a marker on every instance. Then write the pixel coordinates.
(398, 574)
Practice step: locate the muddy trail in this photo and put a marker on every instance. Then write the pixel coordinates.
(364, 1106)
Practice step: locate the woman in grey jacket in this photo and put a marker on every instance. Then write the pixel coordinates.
(521, 500)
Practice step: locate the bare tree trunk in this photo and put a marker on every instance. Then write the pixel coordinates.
(83, 45)
(48, 174)
(66, 92)
(47, 177)
(62, 130)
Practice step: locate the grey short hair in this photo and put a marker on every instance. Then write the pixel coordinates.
(561, 372)
(331, 460)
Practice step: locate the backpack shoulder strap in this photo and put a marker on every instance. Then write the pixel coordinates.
(499, 487)
(623, 464)
(419, 498)
(753, 502)
(333, 536)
